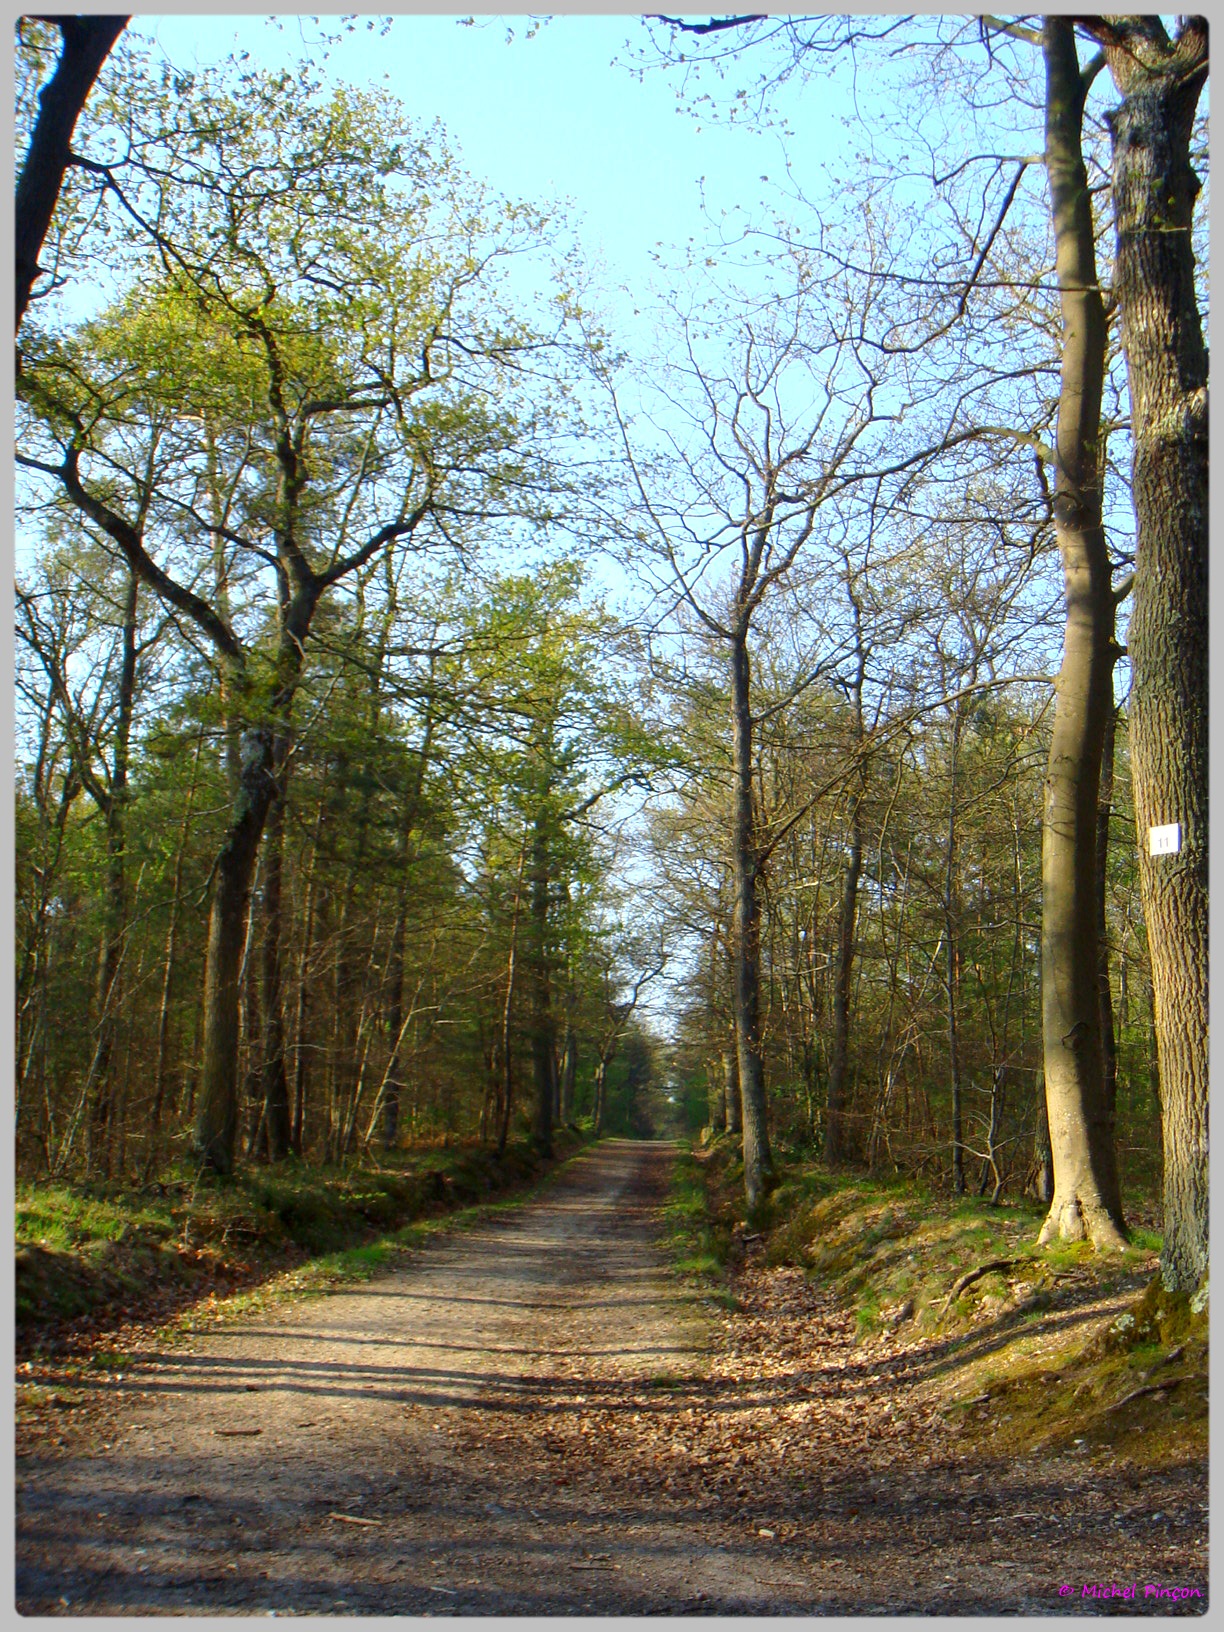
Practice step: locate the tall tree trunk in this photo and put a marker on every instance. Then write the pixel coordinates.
(395, 971)
(490, 1099)
(1109, 1041)
(216, 1116)
(835, 1139)
(251, 1026)
(1087, 1198)
(32, 996)
(275, 1082)
(952, 916)
(543, 1049)
(216, 1120)
(347, 1006)
(277, 1130)
(601, 1086)
(1153, 1065)
(569, 1072)
(1043, 1156)
(302, 1014)
(168, 967)
(395, 1018)
(1154, 189)
(111, 953)
(351, 1044)
(716, 1096)
(731, 1088)
(745, 938)
(503, 1130)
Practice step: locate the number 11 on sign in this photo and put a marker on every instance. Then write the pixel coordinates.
(1164, 841)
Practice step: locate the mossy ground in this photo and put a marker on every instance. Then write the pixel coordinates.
(108, 1253)
(697, 1241)
(1050, 1350)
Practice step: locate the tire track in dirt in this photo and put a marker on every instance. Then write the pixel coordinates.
(529, 1418)
(341, 1454)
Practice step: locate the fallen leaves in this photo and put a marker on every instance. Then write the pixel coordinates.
(788, 1399)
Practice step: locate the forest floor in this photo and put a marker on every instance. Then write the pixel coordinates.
(535, 1416)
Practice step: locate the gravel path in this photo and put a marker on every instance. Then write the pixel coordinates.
(529, 1419)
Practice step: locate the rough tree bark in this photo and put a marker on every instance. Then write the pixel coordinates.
(1109, 1040)
(275, 1079)
(835, 1135)
(216, 1121)
(216, 1112)
(1154, 189)
(543, 1044)
(745, 936)
(1087, 1199)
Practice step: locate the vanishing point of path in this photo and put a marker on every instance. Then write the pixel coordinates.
(529, 1418)
(362, 1451)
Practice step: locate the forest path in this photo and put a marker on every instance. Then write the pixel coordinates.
(418, 1408)
(530, 1418)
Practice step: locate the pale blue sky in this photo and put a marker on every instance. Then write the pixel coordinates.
(546, 116)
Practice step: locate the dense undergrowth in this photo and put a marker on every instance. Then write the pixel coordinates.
(105, 1254)
(1038, 1346)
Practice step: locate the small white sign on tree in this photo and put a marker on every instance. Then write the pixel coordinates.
(1164, 841)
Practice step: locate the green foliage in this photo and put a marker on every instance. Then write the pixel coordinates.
(697, 1244)
(321, 362)
(333, 336)
(106, 1250)
(60, 1217)
(632, 1111)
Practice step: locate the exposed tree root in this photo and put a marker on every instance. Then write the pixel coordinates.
(968, 1278)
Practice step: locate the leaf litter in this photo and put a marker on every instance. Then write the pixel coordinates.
(658, 1453)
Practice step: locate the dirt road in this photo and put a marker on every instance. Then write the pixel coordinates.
(530, 1419)
(379, 1450)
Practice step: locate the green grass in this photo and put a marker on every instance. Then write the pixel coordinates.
(697, 1243)
(110, 1359)
(369, 1259)
(61, 1218)
(881, 1244)
(104, 1250)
